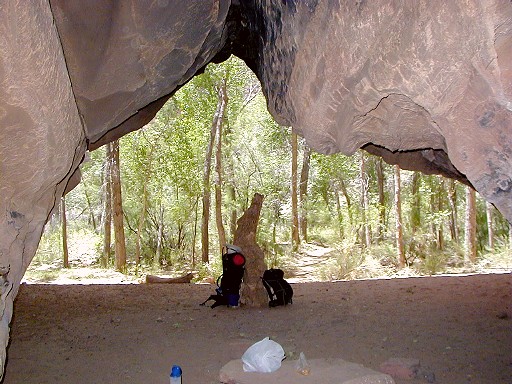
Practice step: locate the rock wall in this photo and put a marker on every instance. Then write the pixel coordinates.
(42, 140)
(425, 84)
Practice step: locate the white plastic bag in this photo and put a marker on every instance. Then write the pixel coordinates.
(264, 356)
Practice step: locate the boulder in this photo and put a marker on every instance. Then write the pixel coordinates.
(323, 371)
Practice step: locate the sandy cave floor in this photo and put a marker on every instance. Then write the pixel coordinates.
(460, 327)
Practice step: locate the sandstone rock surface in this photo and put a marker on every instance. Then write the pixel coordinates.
(323, 371)
(126, 58)
(42, 139)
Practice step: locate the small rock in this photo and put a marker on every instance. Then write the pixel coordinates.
(502, 315)
(401, 368)
(426, 374)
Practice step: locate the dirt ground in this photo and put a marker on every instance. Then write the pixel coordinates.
(459, 327)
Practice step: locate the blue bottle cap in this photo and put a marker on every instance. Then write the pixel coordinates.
(175, 371)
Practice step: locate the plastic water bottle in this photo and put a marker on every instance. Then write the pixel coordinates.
(176, 374)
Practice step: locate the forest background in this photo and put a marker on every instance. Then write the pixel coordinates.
(165, 199)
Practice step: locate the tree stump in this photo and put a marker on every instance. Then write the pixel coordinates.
(253, 292)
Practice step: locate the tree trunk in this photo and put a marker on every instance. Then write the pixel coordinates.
(433, 224)
(194, 235)
(120, 245)
(142, 217)
(440, 208)
(303, 193)
(344, 191)
(365, 202)
(416, 203)
(205, 217)
(65, 252)
(382, 200)
(159, 237)
(223, 99)
(233, 213)
(470, 227)
(398, 217)
(107, 212)
(91, 211)
(490, 228)
(452, 199)
(295, 211)
(229, 181)
(253, 291)
(339, 213)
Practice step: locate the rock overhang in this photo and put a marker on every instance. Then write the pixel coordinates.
(426, 85)
(385, 76)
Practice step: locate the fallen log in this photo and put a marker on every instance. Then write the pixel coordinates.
(185, 279)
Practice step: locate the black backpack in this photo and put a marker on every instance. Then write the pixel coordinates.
(279, 291)
(233, 267)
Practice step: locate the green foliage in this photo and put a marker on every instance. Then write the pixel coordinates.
(206, 271)
(351, 261)
(498, 259)
(276, 254)
(49, 250)
(83, 245)
(345, 260)
(433, 263)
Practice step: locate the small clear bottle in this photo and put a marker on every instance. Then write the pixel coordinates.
(176, 374)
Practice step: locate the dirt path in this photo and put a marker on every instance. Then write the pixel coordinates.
(460, 327)
(307, 264)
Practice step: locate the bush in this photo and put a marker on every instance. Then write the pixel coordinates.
(50, 248)
(433, 263)
(208, 271)
(346, 258)
(84, 246)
